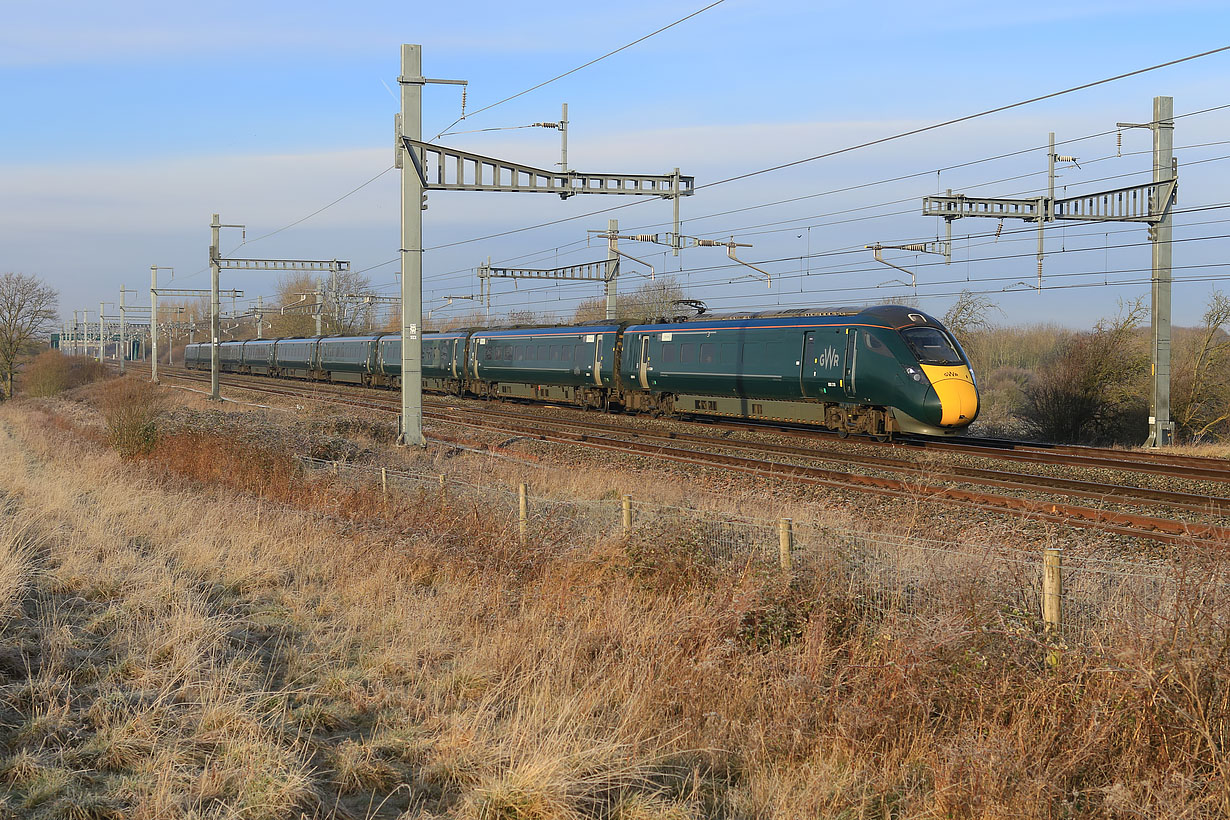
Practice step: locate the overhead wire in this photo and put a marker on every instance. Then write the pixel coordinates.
(581, 67)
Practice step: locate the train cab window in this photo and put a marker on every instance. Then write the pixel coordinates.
(687, 353)
(931, 346)
(669, 354)
(874, 345)
(708, 353)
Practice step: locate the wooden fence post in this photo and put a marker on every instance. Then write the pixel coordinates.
(522, 498)
(626, 514)
(441, 489)
(384, 481)
(785, 542)
(1052, 597)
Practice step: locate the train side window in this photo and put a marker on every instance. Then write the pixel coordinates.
(542, 353)
(508, 353)
(487, 352)
(753, 352)
(565, 353)
(529, 353)
(519, 352)
(708, 352)
(555, 353)
(687, 353)
(728, 353)
(583, 354)
(668, 354)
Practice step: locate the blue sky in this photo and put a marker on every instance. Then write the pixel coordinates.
(127, 124)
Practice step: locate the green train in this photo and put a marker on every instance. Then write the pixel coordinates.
(872, 371)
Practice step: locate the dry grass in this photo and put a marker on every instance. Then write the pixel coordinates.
(203, 634)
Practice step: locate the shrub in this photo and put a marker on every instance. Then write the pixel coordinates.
(130, 408)
(51, 372)
(1091, 390)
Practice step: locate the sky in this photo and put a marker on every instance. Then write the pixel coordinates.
(125, 125)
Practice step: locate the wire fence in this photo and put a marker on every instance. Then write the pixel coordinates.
(1091, 599)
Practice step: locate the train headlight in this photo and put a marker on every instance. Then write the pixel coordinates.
(914, 374)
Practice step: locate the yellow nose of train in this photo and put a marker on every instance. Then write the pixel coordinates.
(957, 393)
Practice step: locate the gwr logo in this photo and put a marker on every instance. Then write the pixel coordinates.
(829, 358)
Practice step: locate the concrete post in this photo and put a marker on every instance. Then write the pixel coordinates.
(1161, 429)
(411, 81)
(215, 308)
(123, 332)
(153, 323)
(612, 268)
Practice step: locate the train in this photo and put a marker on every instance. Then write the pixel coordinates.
(871, 371)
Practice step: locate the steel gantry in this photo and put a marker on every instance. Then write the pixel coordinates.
(1150, 203)
(449, 169)
(155, 292)
(218, 263)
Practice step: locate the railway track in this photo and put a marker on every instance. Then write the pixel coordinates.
(904, 478)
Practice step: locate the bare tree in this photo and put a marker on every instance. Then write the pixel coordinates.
(28, 309)
(969, 313)
(1201, 392)
(297, 292)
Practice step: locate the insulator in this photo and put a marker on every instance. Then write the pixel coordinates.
(709, 243)
(644, 237)
(463, 102)
(1118, 143)
(916, 247)
(999, 229)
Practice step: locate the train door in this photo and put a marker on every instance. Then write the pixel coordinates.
(453, 361)
(809, 367)
(850, 372)
(597, 337)
(644, 368)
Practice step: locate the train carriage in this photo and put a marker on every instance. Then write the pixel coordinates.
(443, 361)
(257, 356)
(346, 359)
(876, 370)
(230, 357)
(295, 358)
(572, 364)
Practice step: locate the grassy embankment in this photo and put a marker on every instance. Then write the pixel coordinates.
(199, 632)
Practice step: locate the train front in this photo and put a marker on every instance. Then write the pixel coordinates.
(944, 398)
